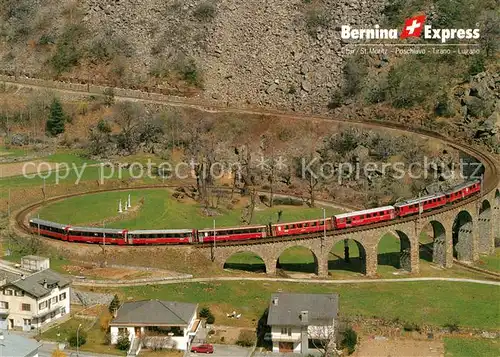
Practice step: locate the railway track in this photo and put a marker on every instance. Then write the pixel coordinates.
(490, 182)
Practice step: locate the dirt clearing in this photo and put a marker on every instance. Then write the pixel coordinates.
(371, 347)
(27, 167)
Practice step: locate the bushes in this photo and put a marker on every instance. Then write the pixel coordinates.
(206, 314)
(411, 83)
(316, 18)
(205, 11)
(75, 340)
(67, 53)
(350, 340)
(123, 343)
(246, 338)
(114, 304)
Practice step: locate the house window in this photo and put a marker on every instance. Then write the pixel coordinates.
(19, 293)
(286, 331)
(7, 292)
(42, 305)
(63, 310)
(4, 305)
(62, 296)
(27, 322)
(53, 300)
(25, 307)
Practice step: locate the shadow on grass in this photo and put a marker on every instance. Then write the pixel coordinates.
(356, 265)
(297, 267)
(391, 259)
(425, 251)
(254, 268)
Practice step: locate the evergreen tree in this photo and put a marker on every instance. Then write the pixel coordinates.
(114, 305)
(55, 123)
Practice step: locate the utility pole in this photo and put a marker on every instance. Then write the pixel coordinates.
(214, 242)
(324, 229)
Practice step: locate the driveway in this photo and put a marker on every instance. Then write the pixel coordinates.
(225, 351)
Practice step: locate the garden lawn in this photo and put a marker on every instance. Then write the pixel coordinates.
(96, 339)
(470, 347)
(435, 303)
(160, 210)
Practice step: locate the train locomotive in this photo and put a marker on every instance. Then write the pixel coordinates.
(244, 233)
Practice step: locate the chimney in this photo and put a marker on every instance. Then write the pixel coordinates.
(44, 283)
(23, 276)
(304, 317)
(275, 301)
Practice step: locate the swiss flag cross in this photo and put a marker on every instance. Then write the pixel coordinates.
(413, 26)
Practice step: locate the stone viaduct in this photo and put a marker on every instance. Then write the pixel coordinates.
(462, 232)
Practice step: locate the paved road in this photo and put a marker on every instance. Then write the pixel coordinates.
(226, 351)
(285, 280)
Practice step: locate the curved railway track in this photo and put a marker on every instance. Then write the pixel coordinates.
(491, 177)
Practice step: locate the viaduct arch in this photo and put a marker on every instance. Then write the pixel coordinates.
(464, 231)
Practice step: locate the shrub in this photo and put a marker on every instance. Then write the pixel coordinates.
(411, 327)
(452, 326)
(205, 11)
(46, 39)
(123, 343)
(477, 65)
(444, 107)
(336, 101)
(109, 97)
(246, 338)
(316, 18)
(206, 314)
(355, 71)
(67, 53)
(114, 304)
(411, 83)
(104, 320)
(350, 340)
(55, 123)
(75, 340)
(58, 353)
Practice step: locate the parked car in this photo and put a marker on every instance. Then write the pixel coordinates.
(203, 349)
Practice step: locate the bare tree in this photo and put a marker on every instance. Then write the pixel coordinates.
(129, 115)
(324, 339)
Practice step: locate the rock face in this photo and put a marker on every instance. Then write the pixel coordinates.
(480, 108)
(246, 47)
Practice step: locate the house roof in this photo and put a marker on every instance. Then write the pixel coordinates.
(19, 346)
(285, 309)
(155, 313)
(34, 284)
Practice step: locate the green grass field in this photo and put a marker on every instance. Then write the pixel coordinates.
(96, 341)
(160, 210)
(472, 305)
(471, 347)
(490, 262)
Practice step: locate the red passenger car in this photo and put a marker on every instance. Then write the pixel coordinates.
(231, 234)
(49, 229)
(165, 236)
(97, 235)
(422, 204)
(310, 226)
(361, 218)
(463, 191)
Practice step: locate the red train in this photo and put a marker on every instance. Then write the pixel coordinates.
(193, 236)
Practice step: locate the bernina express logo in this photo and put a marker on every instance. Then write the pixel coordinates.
(413, 27)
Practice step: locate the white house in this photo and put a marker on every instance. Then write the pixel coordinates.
(156, 323)
(31, 301)
(300, 322)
